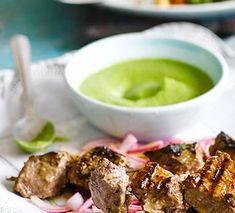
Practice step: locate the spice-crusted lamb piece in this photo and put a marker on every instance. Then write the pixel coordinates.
(212, 188)
(43, 175)
(80, 169)
(157, 189)
(108, 184)
(223, 143)
(179, 158)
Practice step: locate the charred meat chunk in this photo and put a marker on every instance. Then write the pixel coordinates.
(43, 175)
(179, 158)
(80, 169)
(108, 184)
(212, 188)
(223, 143)
(157, 189)
(191, 210)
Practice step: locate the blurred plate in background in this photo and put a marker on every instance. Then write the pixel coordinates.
(183, 11)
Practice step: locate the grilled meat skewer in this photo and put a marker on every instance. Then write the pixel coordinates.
(162, 186)
(80, 169)
(43, 176)
(223, 143)
(108, 184)
(157, 189)
(212, 188)
(179, 158)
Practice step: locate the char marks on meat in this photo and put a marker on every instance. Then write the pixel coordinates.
(43, 176)
(157, 189)
(179, 158)
(108, 184)
(223, 143)
(80, 169)
(176, 180)
(211, 189)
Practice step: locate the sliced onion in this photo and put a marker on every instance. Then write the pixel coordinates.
(136, 162)
(86, 205)
(147, 147)
(75, 202)
(45, 206)
(134, 208)
(129, 142)
(83, 211)
(86, 211)
(135, 202)
(205, 144)
(111, 142)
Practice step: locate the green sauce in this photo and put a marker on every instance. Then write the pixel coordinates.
(146, 83)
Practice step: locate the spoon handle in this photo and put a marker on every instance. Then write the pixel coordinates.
(20, 46)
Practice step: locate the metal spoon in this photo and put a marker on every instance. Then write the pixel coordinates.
(31, 124)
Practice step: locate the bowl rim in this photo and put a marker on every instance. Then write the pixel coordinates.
(199, 100)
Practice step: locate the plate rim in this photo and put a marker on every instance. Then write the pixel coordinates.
(192, 11)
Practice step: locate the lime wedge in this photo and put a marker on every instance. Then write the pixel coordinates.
(42, 141)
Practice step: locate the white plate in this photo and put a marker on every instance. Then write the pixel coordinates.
(197, 11)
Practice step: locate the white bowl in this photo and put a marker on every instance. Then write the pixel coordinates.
(150, 122)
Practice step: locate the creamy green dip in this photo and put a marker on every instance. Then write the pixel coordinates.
(147, 82)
